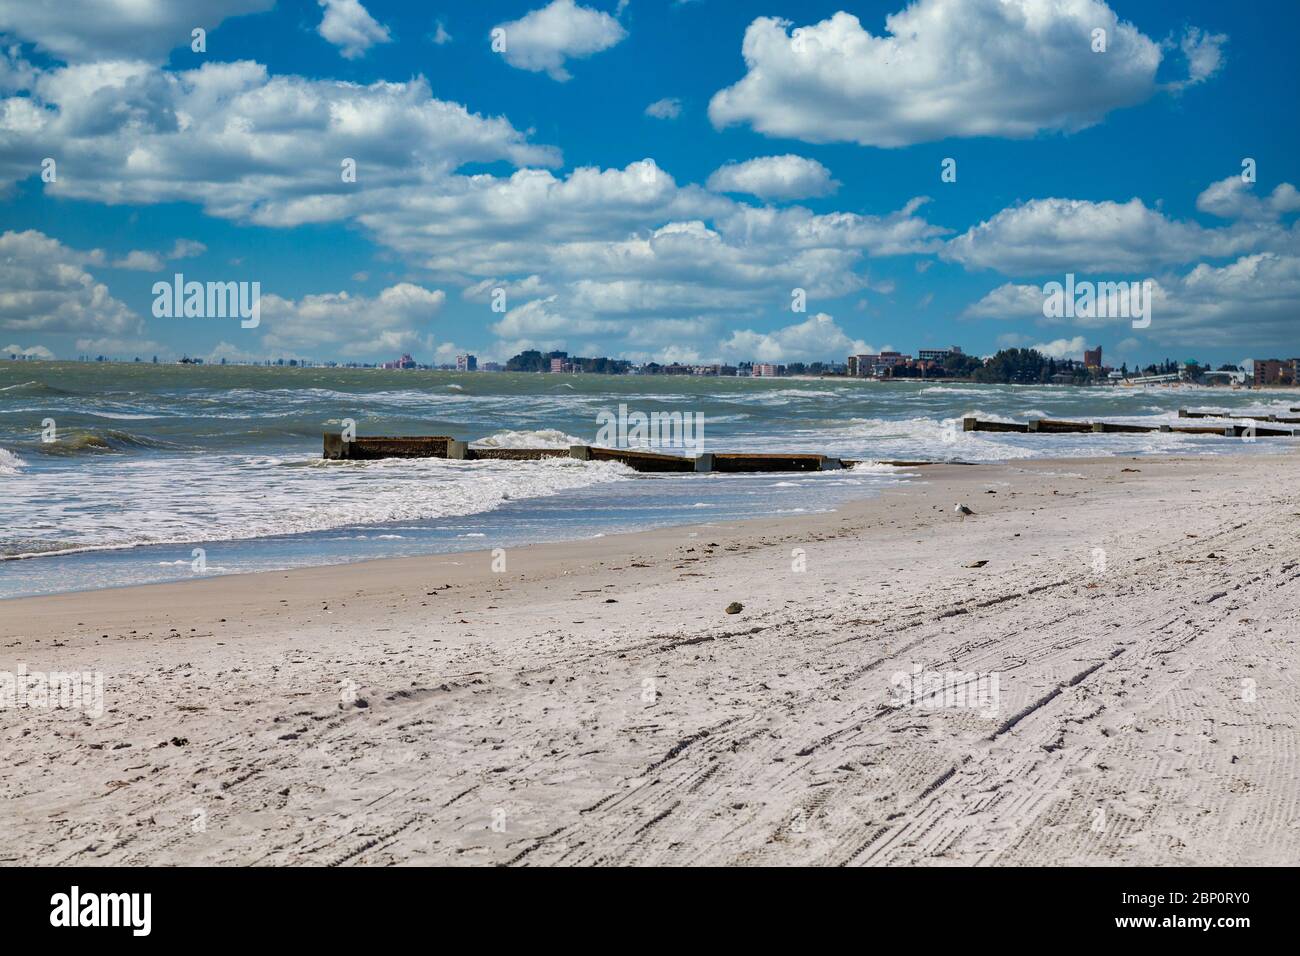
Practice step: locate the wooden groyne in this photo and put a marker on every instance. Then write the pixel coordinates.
(1122, 428)
(1184, 413)
(767, 462)
(442, 446)
(430, 446)
(1049, 426)
(976, 425)
(1052, 426)
(1261, 431)
(461, 451)
(648, 461)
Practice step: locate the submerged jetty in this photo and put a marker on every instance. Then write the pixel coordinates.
(444, 446)
(1048, 426)
(1184, 413)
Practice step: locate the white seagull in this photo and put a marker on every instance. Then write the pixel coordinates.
(962, 510)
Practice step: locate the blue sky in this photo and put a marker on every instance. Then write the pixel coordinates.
(794, 147)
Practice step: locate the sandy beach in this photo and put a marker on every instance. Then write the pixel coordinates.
(594, 703)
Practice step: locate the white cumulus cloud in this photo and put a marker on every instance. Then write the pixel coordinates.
(1009, 301)
(45, 288)
(397, 320)
(816, 338)
(30, 351)
(1074, 235)
(1232, 198)
(85, 30)
(944, 68)
(244, 144)
(1063, 348)
(542, 40)
(775, 177)
(667, 108)
(1204, 53)
(350, 27)
(1254, 299)
(543, 323)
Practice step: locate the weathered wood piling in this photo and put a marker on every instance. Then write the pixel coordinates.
(442, 446)
(1225, 430)
(1232, 431)
(429, 446)
(1262, 431)
(1122, 428)
(1048, 426)
(1057, 427)
(461, 451)
(1184, 413)
(648, 461)
(976, 425)
(769, 462)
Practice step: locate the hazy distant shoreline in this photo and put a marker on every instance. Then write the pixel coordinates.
(802, 377)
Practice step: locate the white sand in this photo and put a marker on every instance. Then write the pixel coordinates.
(522, 718)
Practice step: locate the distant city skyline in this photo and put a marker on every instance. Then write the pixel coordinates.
(950, 362)
(776, 189)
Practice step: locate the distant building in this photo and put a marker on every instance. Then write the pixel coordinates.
(876, 366)
(1275, 371)
(1092, 357)
(653, 368)
(466, 363)
(938, 355)
(765, 370)
(493, 367)
(887, 360)
(404, 362)
(569, 366)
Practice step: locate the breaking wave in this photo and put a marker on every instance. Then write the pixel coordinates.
(10, 464)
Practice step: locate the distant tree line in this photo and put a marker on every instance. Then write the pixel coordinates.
(532, 360)
(809, 368)
(1009, 366)
(956, 365)
(1017, 367)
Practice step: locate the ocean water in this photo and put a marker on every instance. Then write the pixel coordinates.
(158, 469)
